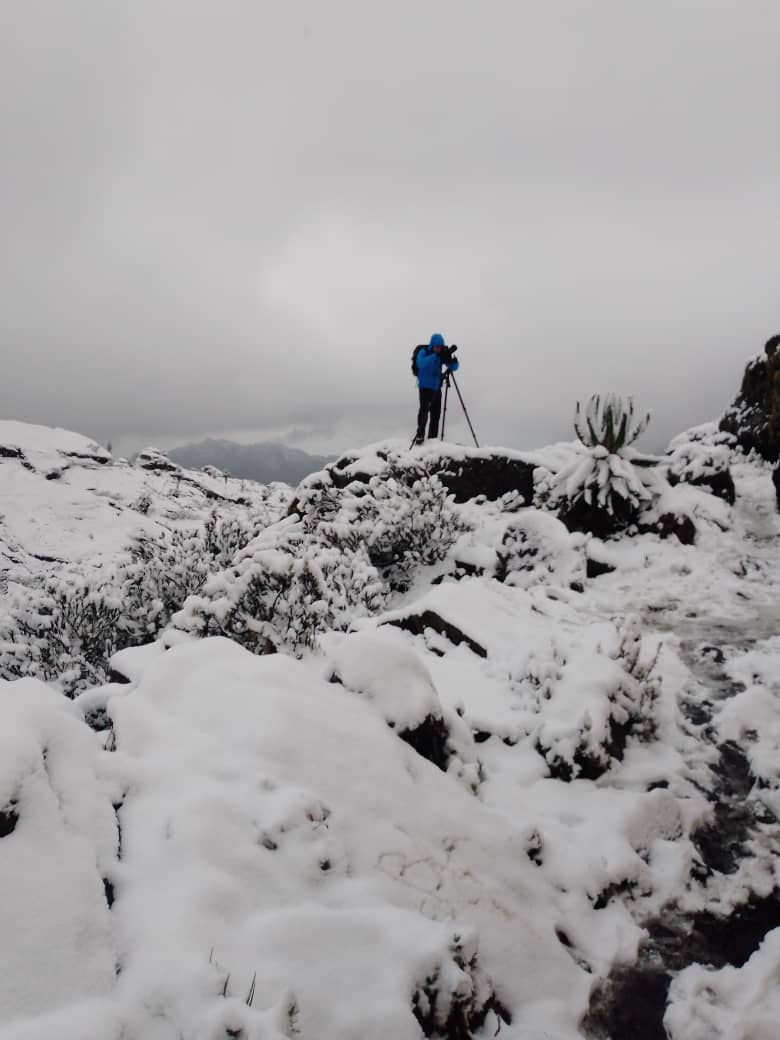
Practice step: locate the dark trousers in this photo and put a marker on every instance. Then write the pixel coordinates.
(430, 404)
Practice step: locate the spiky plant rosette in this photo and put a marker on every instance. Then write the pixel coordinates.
(604, 476)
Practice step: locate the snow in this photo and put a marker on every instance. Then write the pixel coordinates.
(751, 717)
(290, 822)
(57, 947)
(729, 1004)
(44, 442)
(258, 824)
(381, 666)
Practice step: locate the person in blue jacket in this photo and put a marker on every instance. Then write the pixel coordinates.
(432, 362)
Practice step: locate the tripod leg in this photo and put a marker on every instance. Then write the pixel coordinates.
(444, 409)
(463, 406)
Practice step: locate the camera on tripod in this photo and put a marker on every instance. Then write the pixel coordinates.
(448, 353)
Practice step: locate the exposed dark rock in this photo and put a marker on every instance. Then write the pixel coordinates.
(721, 484)
(108, 888)
(212, 496)
(682, 527)
(463, 569)
(86, 457)
(9, 817)
(115, 676)
(9, 452)
(338, 475)
(776, 482)
(46, 559)
(429, 739)
(466, 477)
(116, 807)
(734, 939)
(488, 475)
(595, 568)
(417, 624)
(592, 519)
(631, 1002)
(754, 416)
(721, 843)
(155, 461)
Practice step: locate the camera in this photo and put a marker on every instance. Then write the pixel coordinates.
(449, 353)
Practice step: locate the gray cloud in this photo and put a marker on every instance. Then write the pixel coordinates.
(243, 216)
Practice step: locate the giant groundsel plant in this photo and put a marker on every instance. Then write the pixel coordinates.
(601, 488)
(610, 424)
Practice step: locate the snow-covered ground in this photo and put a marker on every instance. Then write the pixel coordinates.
(463, 817)
(63, 498)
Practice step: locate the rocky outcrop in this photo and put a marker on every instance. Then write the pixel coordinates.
(590, 518)
(754, 416)
(491, 475)
(679, 525)
(466, 473)
(720, 484)
(416, 623)
(156, 461)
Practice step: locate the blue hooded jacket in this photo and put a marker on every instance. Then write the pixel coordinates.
(430, 366)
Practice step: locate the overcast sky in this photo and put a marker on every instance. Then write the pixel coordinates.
(239, 217)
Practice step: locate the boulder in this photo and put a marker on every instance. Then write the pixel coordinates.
(466, 473)
(754, 416)
(679, 525)
(491, 475)
(591, 518)
(720, 484)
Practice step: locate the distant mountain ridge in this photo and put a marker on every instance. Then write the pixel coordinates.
(263, 462)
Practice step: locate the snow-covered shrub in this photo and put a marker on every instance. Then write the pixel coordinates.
(142, 504)
(65, 631)
(601, 489)
(68, 629)
(538, 549)
(283, 591)
(340, 553)
(55, 869)
(589, 698)
(701, 456)
(401, 524)
(457, 1000)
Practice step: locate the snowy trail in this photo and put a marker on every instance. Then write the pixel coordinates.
(743, 837)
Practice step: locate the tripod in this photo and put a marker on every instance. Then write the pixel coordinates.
(448, 375)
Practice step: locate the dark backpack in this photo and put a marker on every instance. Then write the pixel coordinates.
(415, 352)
